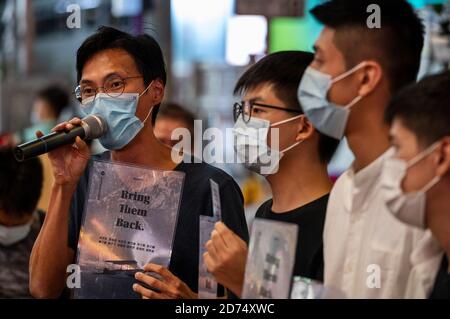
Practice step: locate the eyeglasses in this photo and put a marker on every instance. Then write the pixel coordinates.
(114, 86)
(245, 108)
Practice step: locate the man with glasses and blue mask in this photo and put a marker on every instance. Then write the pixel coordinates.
(345, 91)
(296, 169)
(122, 79)
(417, 179)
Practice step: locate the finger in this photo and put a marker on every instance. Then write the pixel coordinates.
(146, 293)
(218, 241)
(208, 261)
(75, 121)
(227, 234)
(60, 127)
(153, 282)
(82, 147)
(69, 126)
(211, 249)
(39, 134)
(160, 270)
(175, 288)
(219, 248)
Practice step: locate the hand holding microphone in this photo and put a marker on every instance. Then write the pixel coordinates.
(89, 128)
(67, 151)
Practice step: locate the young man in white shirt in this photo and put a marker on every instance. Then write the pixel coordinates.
(356, 70)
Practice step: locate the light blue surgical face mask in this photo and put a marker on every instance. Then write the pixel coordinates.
(120, 115)
(327, 117)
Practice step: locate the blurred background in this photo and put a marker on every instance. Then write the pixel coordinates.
(207, 45)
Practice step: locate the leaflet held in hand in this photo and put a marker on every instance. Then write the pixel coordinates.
(207, 284)
(129, 220)
(270, 261)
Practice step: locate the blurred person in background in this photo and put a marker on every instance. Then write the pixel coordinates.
(48, 106)
(256, 191)
(170, 117)
(20, 222)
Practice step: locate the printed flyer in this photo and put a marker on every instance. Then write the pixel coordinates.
(129, 220)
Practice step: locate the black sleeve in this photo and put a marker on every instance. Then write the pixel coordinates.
(448, 285)
(441, 289)
(233, 214)
(318, 265)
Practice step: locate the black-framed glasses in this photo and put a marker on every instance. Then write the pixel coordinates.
(114, 86)
(245, 108)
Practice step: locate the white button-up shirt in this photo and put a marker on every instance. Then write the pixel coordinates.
(368, 253)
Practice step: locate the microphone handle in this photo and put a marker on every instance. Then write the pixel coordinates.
(47, 143)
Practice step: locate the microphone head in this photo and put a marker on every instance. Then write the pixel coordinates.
(94, 126)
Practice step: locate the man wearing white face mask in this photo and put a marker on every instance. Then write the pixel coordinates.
(417, 179)
(20, 189)
(296, 169)
(356, 70)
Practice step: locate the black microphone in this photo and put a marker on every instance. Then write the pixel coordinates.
(92, 126)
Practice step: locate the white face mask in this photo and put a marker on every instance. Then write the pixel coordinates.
(409, 208)
(251, 145)
(12, 235)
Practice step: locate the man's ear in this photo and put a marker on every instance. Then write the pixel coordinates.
(305, 129)
(370, 78)
(157, 92)
(443, 165)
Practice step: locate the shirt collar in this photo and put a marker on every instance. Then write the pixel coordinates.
(368, 174)
(365, 180)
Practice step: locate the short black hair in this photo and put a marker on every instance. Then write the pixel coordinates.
(20, 184)
(175, 111)
(144, 49)
(56, 97)
(396, 45)
(284, 70)
(424, 108)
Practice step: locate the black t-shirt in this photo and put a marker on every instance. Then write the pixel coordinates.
(441, 289)
(310, 219)
(196, 200)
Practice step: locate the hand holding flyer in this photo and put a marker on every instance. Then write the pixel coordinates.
(130, 219)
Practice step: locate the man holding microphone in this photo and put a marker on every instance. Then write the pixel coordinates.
(122, 78)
